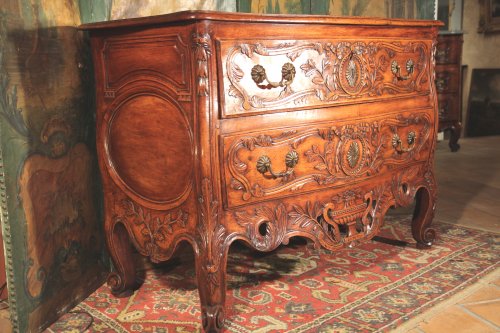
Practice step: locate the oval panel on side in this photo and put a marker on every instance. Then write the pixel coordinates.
(150, 149)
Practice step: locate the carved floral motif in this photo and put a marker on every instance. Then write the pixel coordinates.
(154, 227)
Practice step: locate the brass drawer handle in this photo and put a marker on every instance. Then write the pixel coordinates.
(396, 70)
(259, 75)
(398, 144)
(264, 165)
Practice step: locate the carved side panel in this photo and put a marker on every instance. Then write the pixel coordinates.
(153, 232)
(276, 164)
(158, 58)
(259, 77)
(148, 148)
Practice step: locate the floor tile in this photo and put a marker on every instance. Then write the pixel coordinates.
(487, 293)
(488, 311)
(455, 320)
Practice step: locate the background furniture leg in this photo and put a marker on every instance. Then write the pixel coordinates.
(456, 130)
(422, 218)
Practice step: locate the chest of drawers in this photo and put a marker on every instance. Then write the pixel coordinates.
(217, 127)
(449, 85)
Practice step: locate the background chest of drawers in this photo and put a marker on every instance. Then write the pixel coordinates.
(449, 85)
(217, 127)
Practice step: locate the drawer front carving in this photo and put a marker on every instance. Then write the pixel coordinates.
(279, 163)
(276, 75)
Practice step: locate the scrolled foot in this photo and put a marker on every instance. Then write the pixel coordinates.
(426, 238)
(422, 218)
(118, 286)
(212, 318)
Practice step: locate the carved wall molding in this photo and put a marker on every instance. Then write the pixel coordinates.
(328, 155)
(332, 71)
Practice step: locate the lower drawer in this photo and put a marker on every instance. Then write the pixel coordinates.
(282, 162)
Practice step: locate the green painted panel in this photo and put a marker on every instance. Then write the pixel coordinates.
(94, 10)
(320, 7)
(244, 6)
(51, 216)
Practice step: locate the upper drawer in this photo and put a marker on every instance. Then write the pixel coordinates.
(267, 76)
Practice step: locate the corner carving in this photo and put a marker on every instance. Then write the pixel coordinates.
(202, 51)
(210, 234)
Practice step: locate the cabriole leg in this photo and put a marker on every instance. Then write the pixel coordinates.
(211, 275)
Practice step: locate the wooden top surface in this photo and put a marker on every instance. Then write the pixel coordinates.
(197, 15)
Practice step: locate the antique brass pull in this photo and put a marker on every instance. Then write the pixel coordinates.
(396, 70)
(287, 75)
(264, 165)
(398, 144)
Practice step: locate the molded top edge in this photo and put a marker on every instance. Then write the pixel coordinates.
(199, 15)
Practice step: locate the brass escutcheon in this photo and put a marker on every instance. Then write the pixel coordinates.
(264, 165)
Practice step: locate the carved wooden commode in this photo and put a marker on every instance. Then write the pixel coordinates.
(216, 127)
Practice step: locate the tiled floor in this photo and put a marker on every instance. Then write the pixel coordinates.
(469, 195)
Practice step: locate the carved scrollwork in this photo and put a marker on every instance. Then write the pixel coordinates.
(155, 228)
(346, 219)
(265, 228)
(330, 71)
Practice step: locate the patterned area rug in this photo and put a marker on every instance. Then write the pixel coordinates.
(371, 288)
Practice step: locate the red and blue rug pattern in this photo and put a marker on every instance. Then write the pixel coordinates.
(373, 287)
